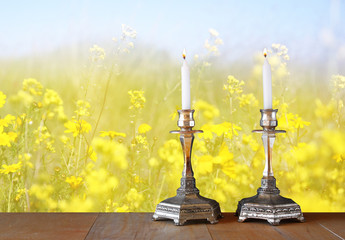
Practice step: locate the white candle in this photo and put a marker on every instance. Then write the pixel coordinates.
(267, 82)
(185, 78)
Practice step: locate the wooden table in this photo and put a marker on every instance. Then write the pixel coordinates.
(139, 226)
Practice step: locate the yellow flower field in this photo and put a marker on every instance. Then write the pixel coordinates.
(94, 136)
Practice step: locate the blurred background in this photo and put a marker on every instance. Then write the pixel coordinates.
(90, 89)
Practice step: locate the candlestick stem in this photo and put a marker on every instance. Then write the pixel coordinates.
(268, 141)
(187, 143)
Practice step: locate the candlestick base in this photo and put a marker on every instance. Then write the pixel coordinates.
(188, 204)
(267, 204)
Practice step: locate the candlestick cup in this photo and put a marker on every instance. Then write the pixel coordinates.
(188, 204)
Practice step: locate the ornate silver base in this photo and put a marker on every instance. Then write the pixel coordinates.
(268, 204)
(188, 205)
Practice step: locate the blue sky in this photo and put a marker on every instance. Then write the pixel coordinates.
(308, 28)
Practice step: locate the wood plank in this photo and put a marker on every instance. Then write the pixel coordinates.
(229, 228)
(288, 229)
(140, 226)
(45, 226)
(332, 222)
(310, 229)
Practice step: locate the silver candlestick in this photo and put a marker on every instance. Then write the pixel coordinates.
(267, 203)
(187, 204)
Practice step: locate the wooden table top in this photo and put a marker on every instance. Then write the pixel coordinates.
(139, 226)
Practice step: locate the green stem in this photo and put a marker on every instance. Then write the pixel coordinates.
(26, 135)
(78, 157)
(27, 199)
(232, 127)
(160, 189)
(9, 194)
(104, 101)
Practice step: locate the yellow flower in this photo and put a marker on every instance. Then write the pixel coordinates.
(144, 128)
(153, 162)
(112, 134)
(109, 151)
(128, 31)
(338, 82)
(123, 208)
(217, 181)
(200, 146)
(137, 99)
(210, 47)
(26, 157)
(33, 87)
(339, 158)
(220, 196)
(204, 164)
(22, 97)
(4, 140)
(2, 99)
(42, 194)
(248, 139)
(325, 111)
(281, 50)
(134, 199)
(92, 154)
(209, 111)
(9, 119)
(43, 136)
(234, 86)
(175, 113)
(64, 139)
(213, 32)
(83, 108)
(51, 98)
(211, 44)
(77, 127)
(170, 151)
(100, 182)
(74, 181)
(299, 123)
(303, 152)
(248, 100)
(335, 140)
(6, 169)
(20, 193)
(7, 138)
(139, 139)
(77, 204)
(224, 157)
(226, 128)
(97, 53)
(207, 131)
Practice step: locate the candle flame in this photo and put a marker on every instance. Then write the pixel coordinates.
(184, 54)
(265, 52)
